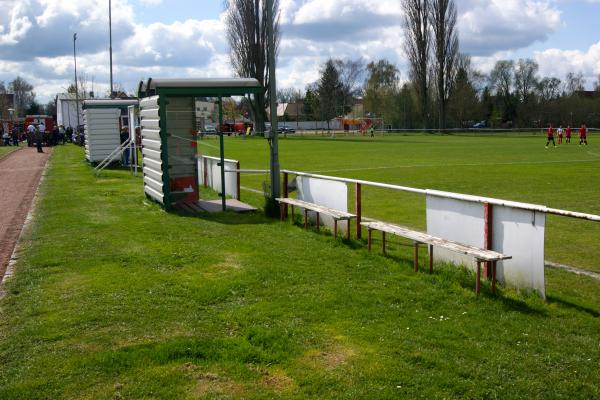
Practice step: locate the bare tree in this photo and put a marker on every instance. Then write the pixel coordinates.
(442, 14)
(416, 46)
(549, 89)
(24, 95)
(574, 82)
(351, 75)
(247, 28)
(525, 79)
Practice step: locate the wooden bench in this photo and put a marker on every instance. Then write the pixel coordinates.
(337, 215)
(480, 255)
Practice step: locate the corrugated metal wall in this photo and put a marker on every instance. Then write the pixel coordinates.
(152, 149)
(101, 133)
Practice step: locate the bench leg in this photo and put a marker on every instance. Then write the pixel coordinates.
(416, 256)
(478, 279)
(335, 228)
(292, 207)
(431, 259)
(494, 276)
(348, 232)
(281, 212)
(318, 222)
(305, 219)
(370, 240)
(383, 242)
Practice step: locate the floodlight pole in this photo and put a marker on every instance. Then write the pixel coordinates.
(274, 140)
(76, 85)
(110, 45)
(222, 155)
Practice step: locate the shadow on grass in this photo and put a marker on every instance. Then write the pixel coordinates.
(230, 217)
(577, 307)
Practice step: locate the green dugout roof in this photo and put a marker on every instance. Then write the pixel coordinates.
(207, 87)
(109, 103)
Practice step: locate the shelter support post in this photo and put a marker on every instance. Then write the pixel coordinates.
(222, 153)
(358, 189)
(478, 278)
(431, 259)
(239, 185)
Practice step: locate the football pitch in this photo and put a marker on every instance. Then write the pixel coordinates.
(516, 168)
(112, 297)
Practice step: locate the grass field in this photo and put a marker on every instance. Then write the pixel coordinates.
(114, 298)
(507, 167)
(4, 150)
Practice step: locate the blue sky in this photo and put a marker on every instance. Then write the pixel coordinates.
(185, 38)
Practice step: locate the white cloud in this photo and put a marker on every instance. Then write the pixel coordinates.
(558, 63)
(151, 3)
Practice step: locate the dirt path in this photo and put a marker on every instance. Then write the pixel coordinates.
(20, 174)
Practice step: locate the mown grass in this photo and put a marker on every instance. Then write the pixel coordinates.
(5, 150)
(114, 298)
(516, 168)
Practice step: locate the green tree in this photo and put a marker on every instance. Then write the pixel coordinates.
(381, 90)
(330, 92)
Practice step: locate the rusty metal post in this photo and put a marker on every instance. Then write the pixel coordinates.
(318, 222)
(494, 264)
(285, 190)
(305, 219)
(431, 259)
(487, 238)
(416, 262)
(348, 231)
(478, 278)
(239, 185)
(335, 228)
(383, 242)
(205, 174)
(358, 190)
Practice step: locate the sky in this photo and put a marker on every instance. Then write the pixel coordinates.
(186, 38)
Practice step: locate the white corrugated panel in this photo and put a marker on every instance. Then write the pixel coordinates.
(152, 164)
(102, 133)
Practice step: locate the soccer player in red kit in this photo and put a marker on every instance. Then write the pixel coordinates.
(583, 135)
(550, 136)
(568, 134)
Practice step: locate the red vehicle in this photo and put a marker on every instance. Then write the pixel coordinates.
(236, 127)
(37, 119)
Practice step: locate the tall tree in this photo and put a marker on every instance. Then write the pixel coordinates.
(501, 79)
(464, 105)
(247, 29)
(416, 46)
(574, 82)
(549, 89)
(330, 92)
(525, 79)
(381, 88)
(445, 36)
(24, 95)
(351, 75)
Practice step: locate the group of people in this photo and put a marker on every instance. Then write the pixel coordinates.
(560, 132)
(9, 137)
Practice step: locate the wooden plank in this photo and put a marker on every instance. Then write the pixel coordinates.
(336, 214)
(421, 237)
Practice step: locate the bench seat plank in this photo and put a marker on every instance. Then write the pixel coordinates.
(421, 237)
(335, 214)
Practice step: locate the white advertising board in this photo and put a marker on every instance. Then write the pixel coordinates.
(515, 232)
(461, 221)
(213, 175)
(520, 234)
(326, 193)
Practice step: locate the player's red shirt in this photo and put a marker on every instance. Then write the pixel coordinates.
(550, 132)
(582, 132)
(568, 132)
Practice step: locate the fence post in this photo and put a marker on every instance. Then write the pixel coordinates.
(239, 176)
(487, 238)
(285, 193)
(358, 189)
(205, 174)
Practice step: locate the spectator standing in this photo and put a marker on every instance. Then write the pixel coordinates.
(124, 137)
(5, 137)
(30, 135)
(39, 137)
(61, 134)
(15, 136)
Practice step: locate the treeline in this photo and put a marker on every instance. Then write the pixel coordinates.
(17, 99)
(443, 89)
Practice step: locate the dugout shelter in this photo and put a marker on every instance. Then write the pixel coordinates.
(168, 130)
(103, 120)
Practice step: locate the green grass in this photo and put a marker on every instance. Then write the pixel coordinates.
(516, 168)
(4, 150)
(114, 298)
